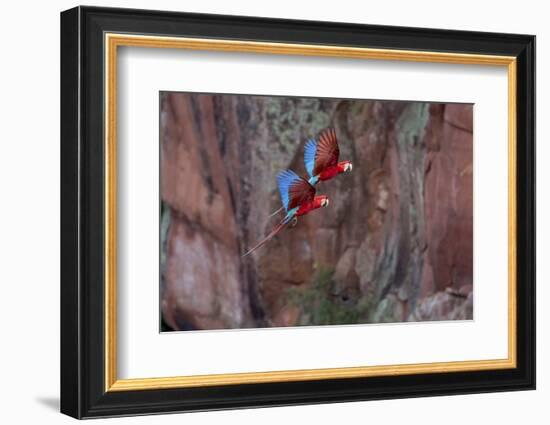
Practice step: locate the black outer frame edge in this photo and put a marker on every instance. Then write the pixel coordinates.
(82, 393)
(327, 33)
(70, 250)
(526, 208)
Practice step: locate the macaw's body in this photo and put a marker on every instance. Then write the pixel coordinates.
(321, 158)
(317, 202)
(298, 198)
(330, 172)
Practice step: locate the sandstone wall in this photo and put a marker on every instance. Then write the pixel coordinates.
(395, 242)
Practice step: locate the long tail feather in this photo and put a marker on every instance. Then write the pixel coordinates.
(276, 212)
(276, 230)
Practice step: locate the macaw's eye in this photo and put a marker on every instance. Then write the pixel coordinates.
(348, 167)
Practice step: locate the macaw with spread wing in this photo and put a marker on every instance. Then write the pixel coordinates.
(321, 157)
(298, 198)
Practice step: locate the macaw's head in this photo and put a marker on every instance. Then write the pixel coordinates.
(344, 166)
(321, 201)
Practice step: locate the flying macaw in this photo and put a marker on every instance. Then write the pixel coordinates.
(298, 198)
(321, 157)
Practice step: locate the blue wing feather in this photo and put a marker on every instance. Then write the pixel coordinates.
(310, 151)
(290, 214)
(284, 179)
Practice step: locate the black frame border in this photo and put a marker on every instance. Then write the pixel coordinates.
(82, 212)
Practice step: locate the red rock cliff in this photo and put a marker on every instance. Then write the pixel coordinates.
(395, 243)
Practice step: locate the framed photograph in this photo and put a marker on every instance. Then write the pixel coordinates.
(261, 212)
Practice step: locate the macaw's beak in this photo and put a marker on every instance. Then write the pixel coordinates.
(348, 167)
(324, 202)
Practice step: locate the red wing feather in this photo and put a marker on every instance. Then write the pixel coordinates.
(327, 151)
(300, 192)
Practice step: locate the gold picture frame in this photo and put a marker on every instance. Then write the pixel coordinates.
(114, 41)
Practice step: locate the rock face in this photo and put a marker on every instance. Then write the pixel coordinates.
(395, 243)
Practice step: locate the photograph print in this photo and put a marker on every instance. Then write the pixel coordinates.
(298, 211)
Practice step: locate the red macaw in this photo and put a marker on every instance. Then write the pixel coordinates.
(298, 198)
(321, 157)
